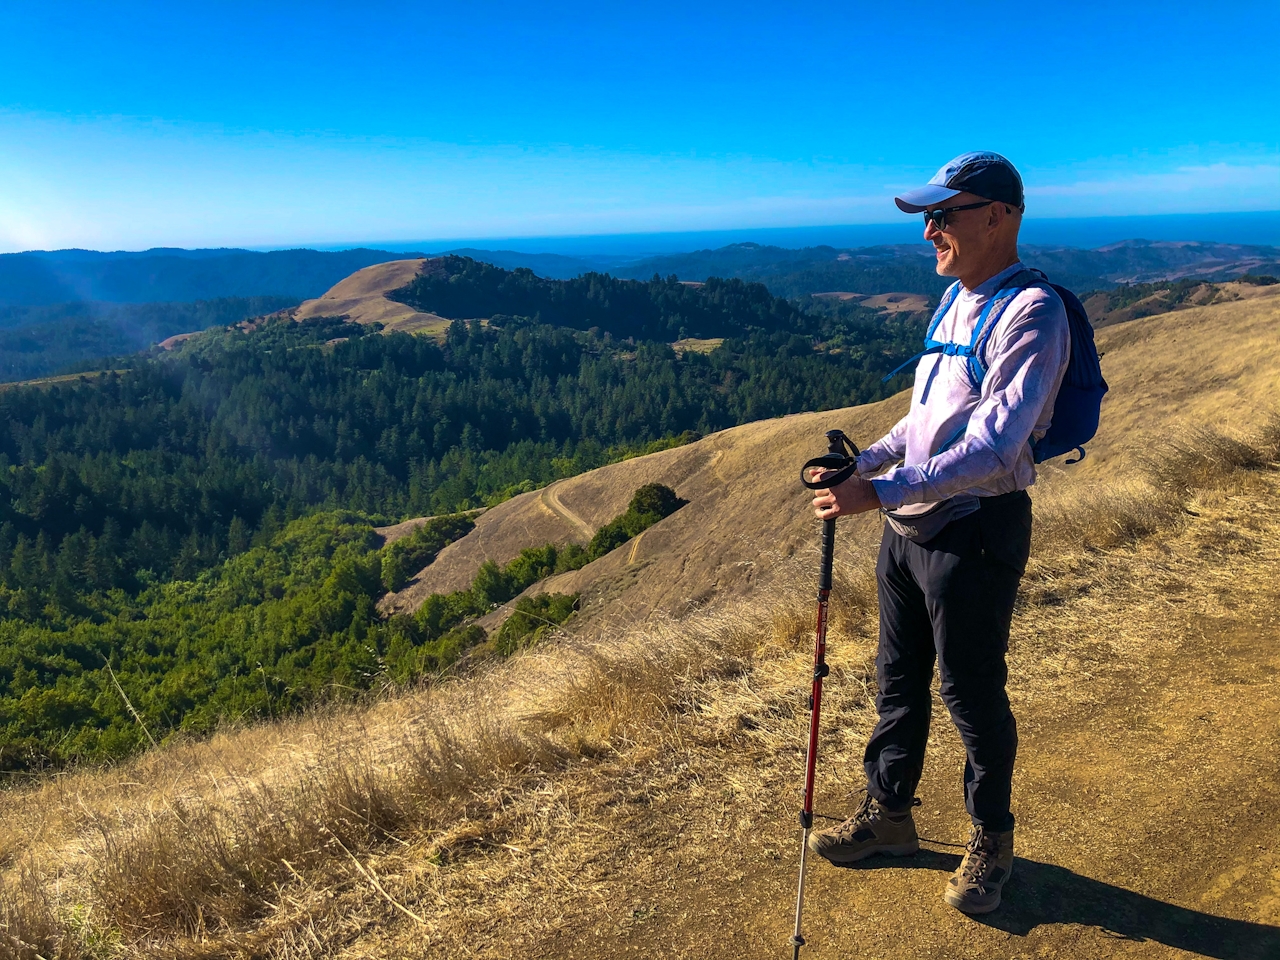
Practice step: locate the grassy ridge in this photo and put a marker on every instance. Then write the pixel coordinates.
(439, 634)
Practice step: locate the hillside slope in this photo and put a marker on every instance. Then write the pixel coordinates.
(741, 487)
(632, 791)
(1201, 365)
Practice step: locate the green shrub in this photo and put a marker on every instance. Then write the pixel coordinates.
(413, 552)
(532, 618)
(649, 504)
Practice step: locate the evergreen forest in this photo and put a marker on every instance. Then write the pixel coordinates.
(188, 539)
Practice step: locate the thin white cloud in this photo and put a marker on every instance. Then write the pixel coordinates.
(1216, 186)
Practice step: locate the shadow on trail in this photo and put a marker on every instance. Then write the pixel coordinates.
(1042, 893)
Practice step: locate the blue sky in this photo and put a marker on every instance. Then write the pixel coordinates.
(129, 125)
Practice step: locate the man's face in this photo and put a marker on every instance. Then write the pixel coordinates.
(966, 239)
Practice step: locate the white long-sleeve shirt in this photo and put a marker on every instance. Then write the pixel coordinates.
(1026, 356)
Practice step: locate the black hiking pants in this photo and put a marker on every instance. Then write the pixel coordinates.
(950, 599)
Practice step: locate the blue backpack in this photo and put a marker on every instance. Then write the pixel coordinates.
(1079, 400)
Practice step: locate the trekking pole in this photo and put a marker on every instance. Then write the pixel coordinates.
(840, 462)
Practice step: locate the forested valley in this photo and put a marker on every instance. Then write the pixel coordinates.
(189, 539)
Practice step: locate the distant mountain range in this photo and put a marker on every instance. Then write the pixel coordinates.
(66, 307)
(167, 275)
(174, 275)
(909, 267)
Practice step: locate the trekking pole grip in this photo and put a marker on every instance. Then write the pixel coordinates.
(828, 552)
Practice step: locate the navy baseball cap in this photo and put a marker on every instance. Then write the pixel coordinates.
(987, 175)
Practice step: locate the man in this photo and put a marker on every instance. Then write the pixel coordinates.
(958, 530)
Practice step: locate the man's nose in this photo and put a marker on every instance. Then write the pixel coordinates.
(931, 230)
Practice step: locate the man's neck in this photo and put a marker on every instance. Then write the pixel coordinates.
(980, 275)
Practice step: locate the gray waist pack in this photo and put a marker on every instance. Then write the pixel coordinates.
(924, 526)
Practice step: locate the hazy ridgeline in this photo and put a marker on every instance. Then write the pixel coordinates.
(68, 309)
(36, 341)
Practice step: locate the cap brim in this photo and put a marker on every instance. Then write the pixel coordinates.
(914, 201)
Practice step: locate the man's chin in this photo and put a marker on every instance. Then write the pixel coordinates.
(944, 267)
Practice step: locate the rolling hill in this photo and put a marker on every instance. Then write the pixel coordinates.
(362, 298)
(44, 278)
(630, 789)
(61, 310)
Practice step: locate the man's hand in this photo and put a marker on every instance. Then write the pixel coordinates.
(854, 495)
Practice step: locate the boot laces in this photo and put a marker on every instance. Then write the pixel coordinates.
(869, 810)
(982, 851)
(866, 812)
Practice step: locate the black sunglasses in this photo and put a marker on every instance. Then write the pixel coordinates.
(939, 217)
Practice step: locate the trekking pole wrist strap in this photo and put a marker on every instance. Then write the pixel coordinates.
(844, 468)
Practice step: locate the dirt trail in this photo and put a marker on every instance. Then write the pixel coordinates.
(551, 500)
(1148, 802)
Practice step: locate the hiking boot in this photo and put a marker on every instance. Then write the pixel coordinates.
(872, 830)
(976, 886)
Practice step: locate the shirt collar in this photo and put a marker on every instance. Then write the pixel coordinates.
(990, 286)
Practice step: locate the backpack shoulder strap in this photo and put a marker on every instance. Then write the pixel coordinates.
(930, 345)
(991, 314)
(944, 305)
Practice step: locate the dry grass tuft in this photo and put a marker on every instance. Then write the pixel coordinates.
(193, 867)
(1204, 458)
(1091, 517)
(1268, 439)
(29, 927)
(1087, 517)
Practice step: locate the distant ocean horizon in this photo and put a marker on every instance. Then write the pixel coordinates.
(1260, 228)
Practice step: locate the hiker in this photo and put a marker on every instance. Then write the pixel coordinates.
(958, 527)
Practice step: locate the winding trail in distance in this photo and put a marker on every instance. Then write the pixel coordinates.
(551, 500)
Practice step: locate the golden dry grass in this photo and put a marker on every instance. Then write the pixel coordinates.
(694, 345)
(361, 298)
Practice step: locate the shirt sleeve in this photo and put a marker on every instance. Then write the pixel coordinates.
(888, 449)
(1029, 357)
